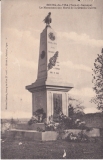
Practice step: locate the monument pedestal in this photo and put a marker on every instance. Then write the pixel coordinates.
(52, 98)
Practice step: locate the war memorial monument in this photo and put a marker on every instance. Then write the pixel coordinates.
(49, 91)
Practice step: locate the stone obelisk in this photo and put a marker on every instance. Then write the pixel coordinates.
(49, 91)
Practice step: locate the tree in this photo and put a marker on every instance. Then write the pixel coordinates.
(98, 81)
(75, 107)
(12, 121)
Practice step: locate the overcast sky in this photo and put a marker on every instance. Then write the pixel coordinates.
(80, 39)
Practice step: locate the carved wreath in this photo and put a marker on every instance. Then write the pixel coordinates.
(52, 61)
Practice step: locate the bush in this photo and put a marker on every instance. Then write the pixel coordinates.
(38, 117)
(80, 137)
(72, 137)
(83, 137)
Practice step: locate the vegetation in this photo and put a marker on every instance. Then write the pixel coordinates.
(80, 137)
(38, 117)
(75, 107)
(98, 81)
(10, 149)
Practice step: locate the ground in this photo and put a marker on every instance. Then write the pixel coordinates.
(10, 149)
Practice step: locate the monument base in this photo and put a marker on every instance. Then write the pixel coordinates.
(32, 135)
(50, 98)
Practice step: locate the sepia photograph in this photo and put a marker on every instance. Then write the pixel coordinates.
(52, 79)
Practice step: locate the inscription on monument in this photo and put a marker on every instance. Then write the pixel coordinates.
(51, 51)
(52, 43)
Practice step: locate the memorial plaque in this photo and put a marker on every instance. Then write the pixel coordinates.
(57, 106)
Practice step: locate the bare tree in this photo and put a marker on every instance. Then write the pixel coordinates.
(75, 106)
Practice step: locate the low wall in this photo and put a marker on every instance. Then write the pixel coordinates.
(92, 133)
(95, 132)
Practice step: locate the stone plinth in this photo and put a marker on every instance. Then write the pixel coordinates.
(33, 135)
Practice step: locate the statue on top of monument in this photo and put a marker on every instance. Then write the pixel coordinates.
(48, 19)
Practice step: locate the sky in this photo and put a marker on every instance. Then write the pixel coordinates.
(79, 40)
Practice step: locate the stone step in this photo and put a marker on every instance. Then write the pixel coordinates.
(34, 126)
(33, 134)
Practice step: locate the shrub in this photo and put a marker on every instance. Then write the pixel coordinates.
(38, 116)
(80, 137)
(72, 137)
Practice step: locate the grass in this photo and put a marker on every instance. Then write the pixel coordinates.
(10, 149)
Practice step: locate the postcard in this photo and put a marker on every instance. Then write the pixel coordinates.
(51, 79)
